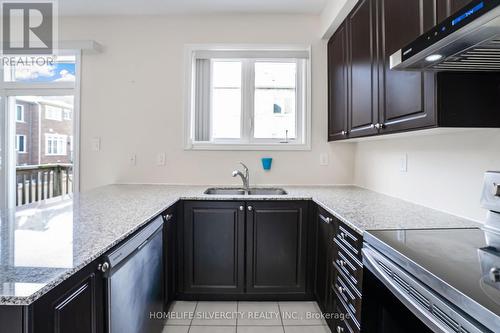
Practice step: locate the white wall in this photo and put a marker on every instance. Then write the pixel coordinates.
(445, 172)
(132, 99)
(334, 14)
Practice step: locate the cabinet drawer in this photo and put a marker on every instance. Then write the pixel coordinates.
(350, 239)
(350, 266)
(350, 297)
(345, 323)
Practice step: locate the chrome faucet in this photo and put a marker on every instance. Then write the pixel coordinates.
(244, 177)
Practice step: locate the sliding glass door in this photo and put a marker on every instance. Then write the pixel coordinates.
(39, 121)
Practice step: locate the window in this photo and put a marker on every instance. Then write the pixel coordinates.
(19, 113)
(55, 144)
(53, 112)
(248, 99)
(67, 114)
(61, 70)
(21, 143)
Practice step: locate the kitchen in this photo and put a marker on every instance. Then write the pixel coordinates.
(362, 203)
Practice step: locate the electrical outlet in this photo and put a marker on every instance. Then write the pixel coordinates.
(403, 163)
(133, 159)
(96, 144)
(323, 159)
(161, 159)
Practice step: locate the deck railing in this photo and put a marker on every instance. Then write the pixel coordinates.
(38, 182)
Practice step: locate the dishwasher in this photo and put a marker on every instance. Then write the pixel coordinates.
(134, 282)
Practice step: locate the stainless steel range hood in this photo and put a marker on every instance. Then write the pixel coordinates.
(469, 40)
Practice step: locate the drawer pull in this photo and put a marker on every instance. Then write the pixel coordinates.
(340, 329)
(340, 289)
(327, 220)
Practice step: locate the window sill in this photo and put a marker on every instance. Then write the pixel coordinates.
(249, 147)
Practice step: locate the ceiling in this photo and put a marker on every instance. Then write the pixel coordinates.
(167, 7)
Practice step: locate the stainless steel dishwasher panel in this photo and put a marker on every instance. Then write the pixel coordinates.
(135, 283)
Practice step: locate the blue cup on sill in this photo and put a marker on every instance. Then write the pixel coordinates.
(267, 162)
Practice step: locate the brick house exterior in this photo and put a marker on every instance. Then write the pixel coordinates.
(47, 127)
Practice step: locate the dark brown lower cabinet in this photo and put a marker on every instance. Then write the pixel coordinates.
(276, 247)
(76, 305)
(214, 247)
(324, 252)
(245, 250)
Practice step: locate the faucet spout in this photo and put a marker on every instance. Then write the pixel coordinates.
(245, 177)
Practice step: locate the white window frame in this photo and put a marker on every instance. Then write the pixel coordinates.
(66, 114)
(248, 142)
(22, 113)
(24, 151)
(12, 89)
(51, 115)
(56, 138)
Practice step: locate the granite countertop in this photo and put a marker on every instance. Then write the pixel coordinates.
(44, 243)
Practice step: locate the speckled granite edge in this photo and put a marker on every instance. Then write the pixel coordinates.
(359, 208)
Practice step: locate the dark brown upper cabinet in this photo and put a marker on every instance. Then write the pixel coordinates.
(362, 82)
(337, 85)
(384, 101)
(406, 98)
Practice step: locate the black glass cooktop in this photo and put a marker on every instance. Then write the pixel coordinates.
(460, 258)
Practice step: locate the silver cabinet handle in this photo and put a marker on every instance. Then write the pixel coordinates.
(325, 219)
(168, 217)
(495, 275)
(342, 263)
(103, 267)
(344, 132)
(242, 208)
(496, 190)
(340, 289)
(340, 329)
(250, 208)
(379, 126)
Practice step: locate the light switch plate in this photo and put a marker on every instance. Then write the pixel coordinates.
(323, 159)
(96, 144)
(161, 159)
(132, 159)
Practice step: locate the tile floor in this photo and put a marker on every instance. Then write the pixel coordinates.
(245, 317)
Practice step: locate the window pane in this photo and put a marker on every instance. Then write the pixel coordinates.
(226, 100)
(62, 70)
(43, 145)
(275, 100)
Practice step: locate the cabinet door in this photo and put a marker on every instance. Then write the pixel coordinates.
(325, 231)
(214, 239)
(276, 247)
(337, 85)
(74, 306)
(363, 114)
(406, 98)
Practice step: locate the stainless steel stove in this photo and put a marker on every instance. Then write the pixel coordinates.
(447, 279)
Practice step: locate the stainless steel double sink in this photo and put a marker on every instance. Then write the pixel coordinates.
(241, 191)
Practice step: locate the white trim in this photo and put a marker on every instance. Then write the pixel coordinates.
(56, 138)
(303, 102)
(24, 151)
(22, 120)
(250, 147)
(76, 123)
